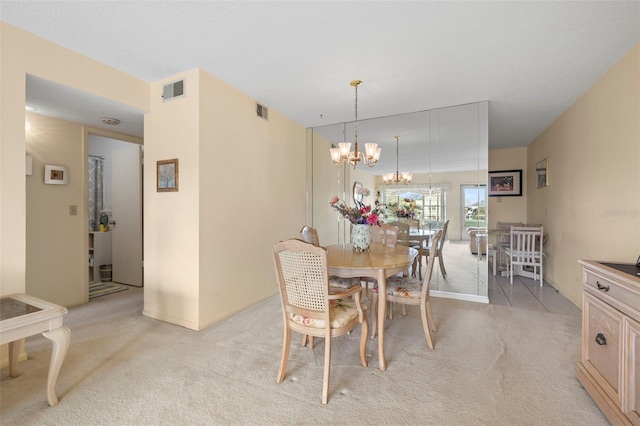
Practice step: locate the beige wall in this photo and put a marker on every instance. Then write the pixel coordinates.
(22, 53)
(171, 219)
(56, 265)
(509, 209)
(591, 208)
(252, 194)
(242, 186)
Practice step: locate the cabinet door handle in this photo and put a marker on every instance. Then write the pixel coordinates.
(602, 287)
(600, 339)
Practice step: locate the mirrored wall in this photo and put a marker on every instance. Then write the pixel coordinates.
(446, 150)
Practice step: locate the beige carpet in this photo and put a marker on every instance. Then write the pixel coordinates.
(492, 365)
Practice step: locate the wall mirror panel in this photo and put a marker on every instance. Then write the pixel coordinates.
(446, 150)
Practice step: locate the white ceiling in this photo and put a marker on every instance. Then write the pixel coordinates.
(530, 60)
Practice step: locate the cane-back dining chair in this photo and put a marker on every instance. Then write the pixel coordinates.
(413, 291)
(307, 305)
(336, 284)
(384, 234)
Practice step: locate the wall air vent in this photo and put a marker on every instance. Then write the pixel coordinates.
(173, 90)
(262, 111)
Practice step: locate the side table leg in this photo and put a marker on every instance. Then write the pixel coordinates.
(60, 338)
(14, 353)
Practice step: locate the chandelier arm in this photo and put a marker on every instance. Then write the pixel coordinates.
(372, 155)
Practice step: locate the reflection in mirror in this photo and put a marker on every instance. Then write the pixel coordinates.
(446, 149)
(358, 196)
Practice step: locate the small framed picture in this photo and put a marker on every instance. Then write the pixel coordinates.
(167, 175)
(542, 173)
(505, 183)
(56, 175)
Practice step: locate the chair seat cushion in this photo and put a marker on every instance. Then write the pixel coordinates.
(345, 283)
(410, 288)
(341, 311)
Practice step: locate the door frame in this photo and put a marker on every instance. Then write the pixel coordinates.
(84, 211)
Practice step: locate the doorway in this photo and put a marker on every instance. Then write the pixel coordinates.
(114, 201)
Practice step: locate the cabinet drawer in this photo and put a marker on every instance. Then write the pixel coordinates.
(601, 344)
(612, 291)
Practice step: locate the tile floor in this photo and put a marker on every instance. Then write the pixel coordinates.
(527, 294)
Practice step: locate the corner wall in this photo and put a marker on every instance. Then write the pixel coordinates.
(591, 208)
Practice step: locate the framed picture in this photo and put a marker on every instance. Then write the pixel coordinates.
(542, 173)
(167, 175)
(505, 183)
(56, 175)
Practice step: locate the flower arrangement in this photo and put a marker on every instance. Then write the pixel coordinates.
(358, 215)
(408, 209)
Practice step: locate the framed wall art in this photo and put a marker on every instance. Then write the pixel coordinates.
(505, 183)
(542, 173)
(56, 175)
(167, 175)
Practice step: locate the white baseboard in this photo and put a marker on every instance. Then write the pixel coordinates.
(459, 296)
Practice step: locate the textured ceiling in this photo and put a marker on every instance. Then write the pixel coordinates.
(530, 60)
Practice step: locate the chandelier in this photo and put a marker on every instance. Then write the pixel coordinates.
(397, 177)
(342, 155)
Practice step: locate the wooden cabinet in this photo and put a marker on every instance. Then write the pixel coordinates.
(610, 364)
(99, 253)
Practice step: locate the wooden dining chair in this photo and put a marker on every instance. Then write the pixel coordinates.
(384, 234)
(431, 248)
(310, 235)
(336, 284)
(309, 308)
(404, 237)
(414, 223)
(412, 291)
(525, 250)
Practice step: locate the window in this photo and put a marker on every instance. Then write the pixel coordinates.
(427, 204)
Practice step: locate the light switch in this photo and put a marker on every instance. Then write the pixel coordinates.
(73, 210)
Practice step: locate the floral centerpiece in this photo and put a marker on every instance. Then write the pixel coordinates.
(408, 209)
(358, 215)
(362, 218)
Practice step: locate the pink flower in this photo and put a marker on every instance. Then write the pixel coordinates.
(333, 200)
(372, 219)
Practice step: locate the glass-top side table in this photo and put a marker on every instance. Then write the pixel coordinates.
(22, 316)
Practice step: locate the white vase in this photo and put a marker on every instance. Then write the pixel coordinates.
(361, 237)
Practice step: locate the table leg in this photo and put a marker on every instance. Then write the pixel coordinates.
(60, 338)
(382, 313)
(14, 353)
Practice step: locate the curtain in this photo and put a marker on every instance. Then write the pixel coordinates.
(96, 191)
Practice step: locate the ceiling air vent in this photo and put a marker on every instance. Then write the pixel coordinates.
(173, 90)
(261, 111)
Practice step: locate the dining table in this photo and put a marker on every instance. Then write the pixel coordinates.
(380, 262)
